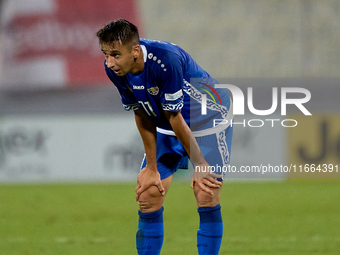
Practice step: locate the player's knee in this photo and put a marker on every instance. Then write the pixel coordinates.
(150, 200)
(205, 199)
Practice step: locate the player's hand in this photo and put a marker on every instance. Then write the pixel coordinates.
(146, 178)
(205, 179)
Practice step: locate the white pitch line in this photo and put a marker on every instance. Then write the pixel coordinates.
(64, 239)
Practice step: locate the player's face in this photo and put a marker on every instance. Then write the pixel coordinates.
(121, 58)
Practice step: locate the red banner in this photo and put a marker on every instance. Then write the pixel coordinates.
(52, 43)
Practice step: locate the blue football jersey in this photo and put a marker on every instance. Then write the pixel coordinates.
(171, 81)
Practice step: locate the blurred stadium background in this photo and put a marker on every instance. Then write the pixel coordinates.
(61, 120)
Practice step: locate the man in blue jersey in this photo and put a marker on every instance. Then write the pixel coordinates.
(164, 87)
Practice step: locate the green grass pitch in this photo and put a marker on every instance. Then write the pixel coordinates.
(288, 217)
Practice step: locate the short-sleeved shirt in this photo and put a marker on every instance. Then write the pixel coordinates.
(171, 81)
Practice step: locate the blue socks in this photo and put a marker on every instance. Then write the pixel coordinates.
(209, 234)
(150, 234)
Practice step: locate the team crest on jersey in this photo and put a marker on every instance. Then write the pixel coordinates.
(153, 91)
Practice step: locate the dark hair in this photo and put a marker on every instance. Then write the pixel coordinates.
(119, 31)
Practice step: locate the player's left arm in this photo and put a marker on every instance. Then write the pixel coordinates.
(171, 97)
(186, 137)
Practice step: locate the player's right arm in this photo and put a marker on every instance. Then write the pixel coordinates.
(149, 175)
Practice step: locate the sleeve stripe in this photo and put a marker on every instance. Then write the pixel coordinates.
(129, 107)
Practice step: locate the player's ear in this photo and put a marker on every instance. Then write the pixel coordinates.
(136, 50)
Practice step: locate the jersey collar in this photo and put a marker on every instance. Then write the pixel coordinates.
(145, 52)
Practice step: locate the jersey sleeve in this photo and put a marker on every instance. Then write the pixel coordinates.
(170, 78)
(128, 99)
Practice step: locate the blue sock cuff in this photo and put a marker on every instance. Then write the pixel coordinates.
(208, 209)
(210, 214)
(153, 217)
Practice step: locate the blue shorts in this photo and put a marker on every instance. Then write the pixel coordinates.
(171, 155)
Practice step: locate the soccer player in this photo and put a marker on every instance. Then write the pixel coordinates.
(164, 87)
